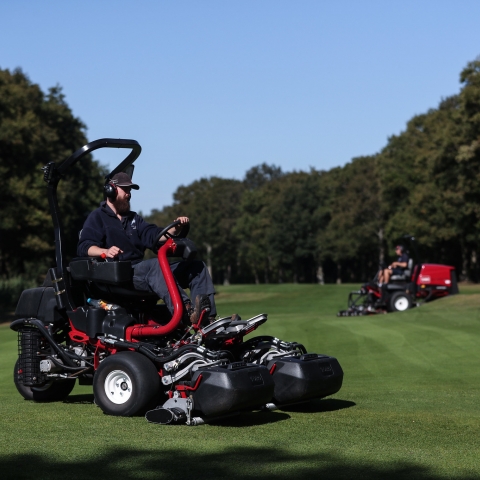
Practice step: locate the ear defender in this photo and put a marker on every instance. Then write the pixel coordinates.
(110, 191)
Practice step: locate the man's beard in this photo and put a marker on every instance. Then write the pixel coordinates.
(122, 206)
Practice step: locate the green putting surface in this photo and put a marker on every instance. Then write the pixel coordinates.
(408, 408)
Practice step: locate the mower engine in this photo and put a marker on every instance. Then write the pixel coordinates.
(434, 281)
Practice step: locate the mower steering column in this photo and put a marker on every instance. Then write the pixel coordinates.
(167, 249)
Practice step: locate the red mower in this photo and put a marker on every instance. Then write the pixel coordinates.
(420, 282)
(138, 357)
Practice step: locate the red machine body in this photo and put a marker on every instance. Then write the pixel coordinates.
(433, 280)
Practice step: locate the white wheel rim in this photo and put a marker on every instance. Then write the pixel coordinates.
(118, 387)
(401, 304)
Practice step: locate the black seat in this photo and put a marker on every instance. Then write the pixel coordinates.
(110, 279)
(406, 273)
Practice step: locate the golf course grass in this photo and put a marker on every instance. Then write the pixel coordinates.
(409, 406)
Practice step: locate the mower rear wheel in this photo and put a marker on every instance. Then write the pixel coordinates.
(126, 384)
(400, 301)
(52, 391)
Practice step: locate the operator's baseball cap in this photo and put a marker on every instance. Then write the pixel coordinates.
(123, 180)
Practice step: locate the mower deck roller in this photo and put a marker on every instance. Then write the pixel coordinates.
(305, 378)
(230, 388)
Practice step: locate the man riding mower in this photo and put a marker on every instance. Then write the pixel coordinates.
(402, 285)
(94, 321)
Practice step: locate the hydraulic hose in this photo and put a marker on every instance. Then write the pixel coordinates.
(65, 367)
(175, 354)
(50, 340)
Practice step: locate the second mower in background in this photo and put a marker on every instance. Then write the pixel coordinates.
(419, 282)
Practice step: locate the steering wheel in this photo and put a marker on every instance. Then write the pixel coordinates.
(165, 233)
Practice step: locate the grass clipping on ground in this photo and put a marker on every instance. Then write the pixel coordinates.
(408, 407)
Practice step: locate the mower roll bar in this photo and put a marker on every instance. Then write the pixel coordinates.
(52, 173)
(104, 143)
(413, 243)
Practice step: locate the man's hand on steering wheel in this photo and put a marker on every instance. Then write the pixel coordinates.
(172, 230)
(177, 229)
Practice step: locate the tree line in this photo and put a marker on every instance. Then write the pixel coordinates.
(271, 226)
(341, 224)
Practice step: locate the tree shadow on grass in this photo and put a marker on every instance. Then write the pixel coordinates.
(242, 463)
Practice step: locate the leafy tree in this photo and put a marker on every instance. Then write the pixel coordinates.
(259, 175)
(278, 227)
(354, 236)
(212, 206)
(36, 128)
(468, 168)
(430, 182)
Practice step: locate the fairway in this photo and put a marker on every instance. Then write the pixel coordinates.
(408, 408)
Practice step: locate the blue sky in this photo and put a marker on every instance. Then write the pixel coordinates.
(215, 87)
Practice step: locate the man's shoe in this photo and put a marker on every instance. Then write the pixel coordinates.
(202, 302)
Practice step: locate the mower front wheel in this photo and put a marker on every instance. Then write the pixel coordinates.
(125, 384)
(400, 301)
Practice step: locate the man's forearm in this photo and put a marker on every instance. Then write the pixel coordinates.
(111, 252)
(95, 251)
(399, 264)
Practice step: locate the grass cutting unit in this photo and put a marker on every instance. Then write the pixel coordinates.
(140, 358)
(420, 282)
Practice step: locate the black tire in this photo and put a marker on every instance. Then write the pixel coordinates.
(399, 302)
(53, 391)
(126, 384)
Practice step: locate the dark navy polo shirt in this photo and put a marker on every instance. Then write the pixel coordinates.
(104, 229)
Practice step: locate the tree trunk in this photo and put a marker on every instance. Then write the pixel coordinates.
(227, 275)
(295, 277)
(339, 273)
(381, 247)
(209, 259)
(473, 266)
(320, 278)
(465, 263)
(280, 275)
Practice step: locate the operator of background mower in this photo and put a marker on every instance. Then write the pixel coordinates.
(114, 231)
(396, 268)
(90, 322)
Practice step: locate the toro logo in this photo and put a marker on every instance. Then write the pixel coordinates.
(256, 379)
(326, 369)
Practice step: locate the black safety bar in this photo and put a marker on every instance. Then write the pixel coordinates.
(418, 265)
(103, 143)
